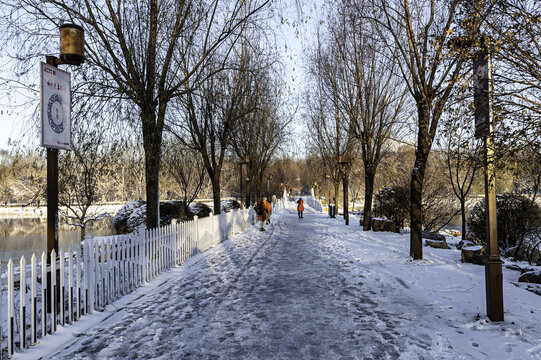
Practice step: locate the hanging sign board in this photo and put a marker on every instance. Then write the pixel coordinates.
(55, 108)
(481, 95)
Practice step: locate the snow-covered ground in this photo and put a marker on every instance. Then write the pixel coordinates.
(309, 288)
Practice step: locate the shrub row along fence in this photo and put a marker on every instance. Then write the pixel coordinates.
(97, 272)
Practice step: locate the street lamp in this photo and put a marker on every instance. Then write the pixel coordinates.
(331, 207)
(71, 44)
(244, 161)
(484, 128)
(71, 53)
(328, 177)
(342, 165)
(268, 183)
(247, 192)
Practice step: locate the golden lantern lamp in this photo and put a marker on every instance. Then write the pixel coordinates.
(71, 44)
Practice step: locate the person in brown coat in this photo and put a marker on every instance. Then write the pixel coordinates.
(269, 211)
(261, 211)
(300, 207)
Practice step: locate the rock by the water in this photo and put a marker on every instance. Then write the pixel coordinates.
(533, 277)
(525, 253)
(474, 255)
(384, 225)
(438, 244)
(432, 235)
(463, 244)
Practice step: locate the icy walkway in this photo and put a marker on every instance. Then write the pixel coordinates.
(309, 289)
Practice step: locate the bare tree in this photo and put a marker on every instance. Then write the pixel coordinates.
(368, 89)
(419, 34)
(186, 168)
(516, 32)
(461, 154)
(211, 112)
(328, 122)
(148, 52)
(84, 170)
(21, 177)
(263, 131)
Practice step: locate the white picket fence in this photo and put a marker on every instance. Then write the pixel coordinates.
(98, 272)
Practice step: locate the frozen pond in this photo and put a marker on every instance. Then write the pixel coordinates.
(23, 231)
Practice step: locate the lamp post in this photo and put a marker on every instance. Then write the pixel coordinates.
(247, 192)
(328, 177)
(345, 185)
(484, 128)
(56, 126)
(268, 184)
(71, 53)
(245, 161)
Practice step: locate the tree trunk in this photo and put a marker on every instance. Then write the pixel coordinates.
(346, 199)
(248, 194)
(152, 173)
(416, 209)
(83, 233)
(463, 214)
(425, 136)
(215, 181)
(335, 199)
(368, 195)
(152, 139)
(241, 196)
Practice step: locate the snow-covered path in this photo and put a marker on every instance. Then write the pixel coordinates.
(307, 288)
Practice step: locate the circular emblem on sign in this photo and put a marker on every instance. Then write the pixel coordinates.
(55, 113)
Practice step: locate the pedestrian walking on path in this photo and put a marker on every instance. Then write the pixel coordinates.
(300, 207)
(269, 211)
(261, 211)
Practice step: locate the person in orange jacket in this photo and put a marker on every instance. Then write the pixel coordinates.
(269, 211)
(261, 211)
(300, 207)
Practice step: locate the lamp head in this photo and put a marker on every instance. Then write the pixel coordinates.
(71, 44)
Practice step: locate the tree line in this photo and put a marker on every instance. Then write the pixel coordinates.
(164, 78)
(386, 72)
(197, 84)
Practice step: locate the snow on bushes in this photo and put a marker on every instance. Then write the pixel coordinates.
(229, 205)
(518, 219)
(134, 213)
(393, 203)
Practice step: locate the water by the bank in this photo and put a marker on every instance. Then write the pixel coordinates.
(23, 231)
